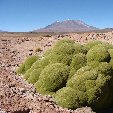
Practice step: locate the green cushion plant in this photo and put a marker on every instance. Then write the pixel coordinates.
(99, 54)
(21, 69)
(79, 48)
(67, 97)
(60, 58)
(91, 43)
(111, 52)
(52, 78)
(75, 75)
(95, 85)
(27, 64)
(39, 65)
(34, 76)
(64, 47)
(79, 60)
(111, 62)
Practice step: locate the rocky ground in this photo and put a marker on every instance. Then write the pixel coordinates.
(16, 95)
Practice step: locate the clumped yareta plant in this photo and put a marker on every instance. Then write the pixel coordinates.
(76, 75)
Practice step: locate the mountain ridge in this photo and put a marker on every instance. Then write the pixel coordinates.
(67, 26)
(2, 31)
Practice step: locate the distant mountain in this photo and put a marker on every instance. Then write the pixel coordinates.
(2, 31)
(67, 26)
(106, 30)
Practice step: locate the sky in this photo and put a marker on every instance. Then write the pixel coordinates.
(28, 15)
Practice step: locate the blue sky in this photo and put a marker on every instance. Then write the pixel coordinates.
(27, 15)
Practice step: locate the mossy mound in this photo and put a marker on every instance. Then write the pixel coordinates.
(27, 64)
(107, 45)
(64, 47)
(47, 52)
(79, 48)
(111, 62)
(95, 86)
(75, 75)
(78, 61)
(91, 43)
(93, 64)
(70, 98)
(34, 76)
(52, 78)
(111, 52)
(83, 69)
(39, 65)
(104, 68)
(101, 67)
(60, 58)
(66, 40)
(77, 82)
(99, 54)
(21, 69)
(29, 61)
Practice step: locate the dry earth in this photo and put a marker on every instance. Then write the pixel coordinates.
(16, 95)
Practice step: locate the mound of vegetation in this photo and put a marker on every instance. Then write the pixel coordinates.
(27, 64)
(94, 83)
(52, 78)
(78, 60)
(75, 75)
(99, 54)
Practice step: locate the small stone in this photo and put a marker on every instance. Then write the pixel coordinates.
(23, 90)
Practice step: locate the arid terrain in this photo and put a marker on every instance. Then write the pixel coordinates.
(16, 95)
